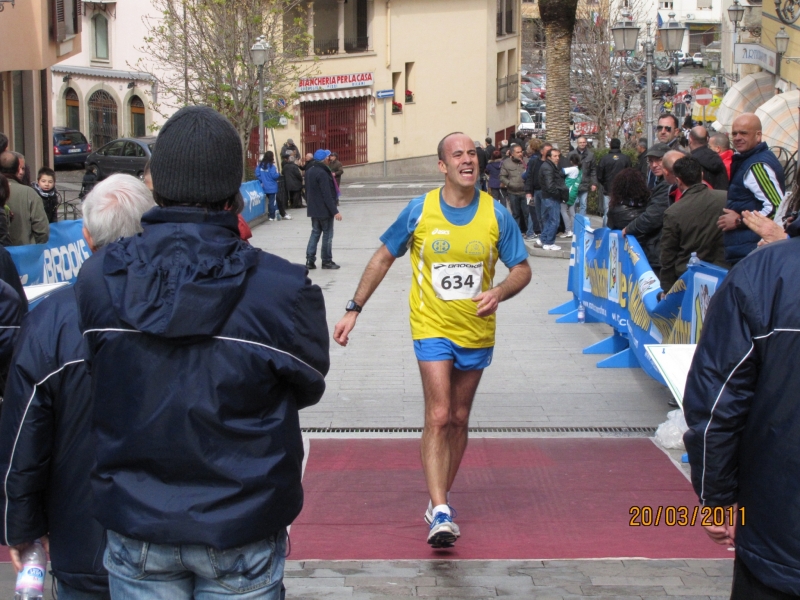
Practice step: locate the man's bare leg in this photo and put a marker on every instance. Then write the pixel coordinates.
(463, 385)
(448, 400)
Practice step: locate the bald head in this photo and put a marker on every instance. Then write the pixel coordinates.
(746, 132)
(719, 142)
(698, 137)
(668, 162)
(9, 164)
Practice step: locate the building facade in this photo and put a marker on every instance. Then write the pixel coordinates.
(36, 34)
(441, 66)
(99, 91)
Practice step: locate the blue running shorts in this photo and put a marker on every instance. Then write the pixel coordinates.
(464, 359)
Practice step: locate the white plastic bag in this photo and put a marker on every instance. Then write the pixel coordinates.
(670, 433)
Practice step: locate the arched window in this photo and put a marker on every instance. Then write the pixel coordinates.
(100, 30)
(73, 109)
(137, 117)
(102, 118)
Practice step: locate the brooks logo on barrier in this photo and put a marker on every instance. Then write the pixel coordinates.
(62, 263)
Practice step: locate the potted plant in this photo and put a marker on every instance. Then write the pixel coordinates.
(396, 107)
(409, 96)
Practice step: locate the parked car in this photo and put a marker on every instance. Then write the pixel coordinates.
(697, 59)
(70, 146)
(684, 59)
(664, 87)
(125, 155)
(526, 124)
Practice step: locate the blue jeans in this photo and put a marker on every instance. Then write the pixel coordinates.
(580, 203)
(606, 200)
(537, 209)
(272, 206)
(551, 213)
(324, 228)
(143, 571)
(66, 592)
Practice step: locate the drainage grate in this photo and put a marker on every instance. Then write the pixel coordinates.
(640, 430)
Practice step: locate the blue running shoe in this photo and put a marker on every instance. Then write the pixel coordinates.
(453, 514)
(442, 533)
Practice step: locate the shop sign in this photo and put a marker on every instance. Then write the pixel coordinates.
(335, 82)
(754, 54)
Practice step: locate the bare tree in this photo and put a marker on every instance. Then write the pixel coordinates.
(558, 17)
(606, 89)
(199, 52)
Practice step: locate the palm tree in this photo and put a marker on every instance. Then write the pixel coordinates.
(558, 17)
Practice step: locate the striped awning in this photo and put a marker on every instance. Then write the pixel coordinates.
(743, 97)
(780, 120)
(334, 95)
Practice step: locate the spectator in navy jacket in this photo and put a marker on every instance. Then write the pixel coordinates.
(46, 448)
(323, 208)
(493, 171)
(744, 419)
(202, 350)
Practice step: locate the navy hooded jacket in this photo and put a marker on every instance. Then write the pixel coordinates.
(743, 413)
(202, 349)
(46, 448)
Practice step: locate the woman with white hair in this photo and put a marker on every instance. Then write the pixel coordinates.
(114, 209)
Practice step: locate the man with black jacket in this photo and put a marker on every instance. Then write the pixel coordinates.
(483, 160)
(554, 192)
(294, 181)
(46, 449)
(489, 149)
(611, 164)
(323, 208)
(646, 228)
(202, 350)
(743, 415)
(588, 172)
(533, 189)
(714, 171)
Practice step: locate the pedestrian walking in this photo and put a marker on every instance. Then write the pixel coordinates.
(203, 349)
(588, 168)
(337, 169)
(454, 234)
(323, 208)
(573, 180)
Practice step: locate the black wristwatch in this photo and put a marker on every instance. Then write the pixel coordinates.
(352, 306)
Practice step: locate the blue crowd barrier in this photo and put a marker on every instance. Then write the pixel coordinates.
(60, 259)
(609, 274)
(254, 200)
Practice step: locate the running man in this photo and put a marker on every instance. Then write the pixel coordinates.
(456, 234)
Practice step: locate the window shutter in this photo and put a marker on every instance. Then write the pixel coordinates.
(78, 16)
(59, 22)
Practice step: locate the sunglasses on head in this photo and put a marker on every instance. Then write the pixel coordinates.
(666, 128)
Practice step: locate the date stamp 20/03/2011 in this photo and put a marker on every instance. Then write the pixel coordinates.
(685, 516)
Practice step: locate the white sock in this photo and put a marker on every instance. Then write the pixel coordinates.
(442, 508)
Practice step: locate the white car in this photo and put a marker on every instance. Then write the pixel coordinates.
(698, 59)
(526, 123)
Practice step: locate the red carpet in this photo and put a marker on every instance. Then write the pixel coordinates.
(516, 499)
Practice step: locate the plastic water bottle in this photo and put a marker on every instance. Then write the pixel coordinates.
(581, 313)
(30, 581)
(693, 260)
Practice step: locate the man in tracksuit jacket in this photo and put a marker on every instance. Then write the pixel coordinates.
(743, 414)
(757, 184)
(46, 449)
(202, 350)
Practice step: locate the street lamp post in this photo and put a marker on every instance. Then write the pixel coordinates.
(260, 55)
(626, 34)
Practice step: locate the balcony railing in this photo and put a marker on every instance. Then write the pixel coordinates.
(512, 86)
(356, 44)
(352, 45)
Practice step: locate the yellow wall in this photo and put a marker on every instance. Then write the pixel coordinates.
(454, 50)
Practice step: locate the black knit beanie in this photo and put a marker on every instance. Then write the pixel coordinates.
(197, 158)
